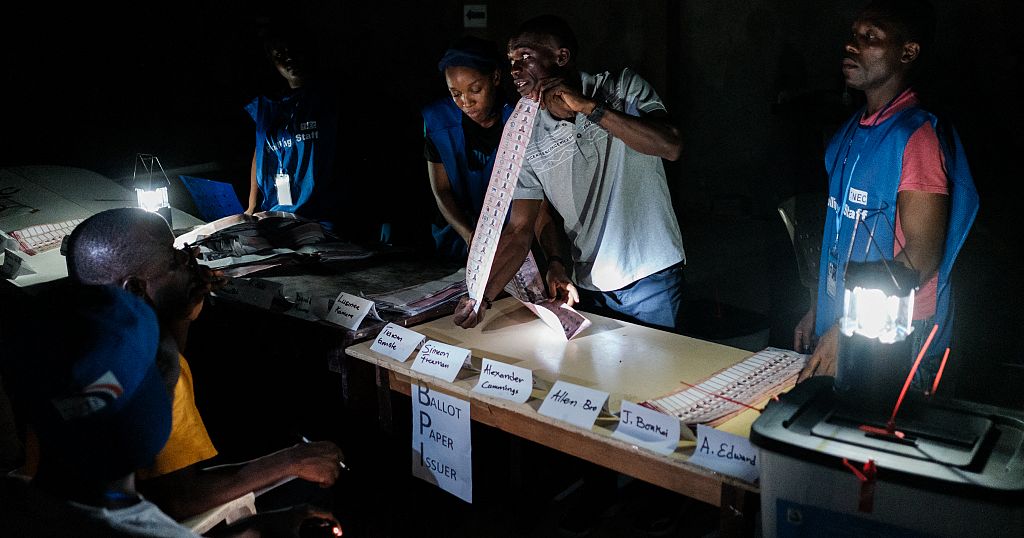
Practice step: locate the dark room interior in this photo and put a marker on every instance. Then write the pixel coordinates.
(754, 86)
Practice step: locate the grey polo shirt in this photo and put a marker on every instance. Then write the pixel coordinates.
(614, 200)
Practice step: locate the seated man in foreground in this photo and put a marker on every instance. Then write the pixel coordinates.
(101, 409)
(133, 249)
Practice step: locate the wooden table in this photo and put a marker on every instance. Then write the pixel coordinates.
(382, 273)
(273, 363)
(628, 361)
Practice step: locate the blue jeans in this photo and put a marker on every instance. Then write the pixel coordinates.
(655, 300)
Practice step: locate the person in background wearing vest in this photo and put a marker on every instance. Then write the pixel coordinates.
(894, 161)
(461, 139)
(294, 162)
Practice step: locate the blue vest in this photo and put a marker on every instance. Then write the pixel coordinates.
(442, 124)
(296, 135)
(869, 180)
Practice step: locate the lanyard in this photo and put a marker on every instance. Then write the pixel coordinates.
(285, 127)
(845, 191)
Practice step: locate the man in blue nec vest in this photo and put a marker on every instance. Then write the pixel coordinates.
(898, 162)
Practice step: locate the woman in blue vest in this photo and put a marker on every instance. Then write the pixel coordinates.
(899, 171)
(462, 135)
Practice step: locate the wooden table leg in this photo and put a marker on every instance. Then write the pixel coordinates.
(738, 512)
(384, 413)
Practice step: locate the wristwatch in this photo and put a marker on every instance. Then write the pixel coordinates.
(596, 114)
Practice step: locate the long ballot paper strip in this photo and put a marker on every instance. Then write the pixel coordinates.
(713, 401)
(527, 286)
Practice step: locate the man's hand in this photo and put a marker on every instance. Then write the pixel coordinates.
(823, 361)
(318, 462)
(465, 317)
(559, 285)
(562, 100)
(204, 281)
(803, 334)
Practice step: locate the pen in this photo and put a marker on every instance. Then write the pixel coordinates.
(341, 463)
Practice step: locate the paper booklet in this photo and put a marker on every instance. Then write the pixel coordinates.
(718, 398)
(528, 287)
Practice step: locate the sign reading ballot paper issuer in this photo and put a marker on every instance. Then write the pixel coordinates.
(442, 450)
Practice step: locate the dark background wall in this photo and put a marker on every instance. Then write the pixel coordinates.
(754, 85)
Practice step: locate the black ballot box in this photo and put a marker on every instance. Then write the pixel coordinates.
(831, 469)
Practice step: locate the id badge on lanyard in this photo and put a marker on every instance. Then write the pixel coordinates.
(831, 273)
(283, 183)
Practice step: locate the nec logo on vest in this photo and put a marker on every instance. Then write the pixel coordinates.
(857, 197)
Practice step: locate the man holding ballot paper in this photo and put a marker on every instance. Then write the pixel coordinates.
(591, 179)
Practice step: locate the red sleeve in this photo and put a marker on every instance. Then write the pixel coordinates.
(924, 167)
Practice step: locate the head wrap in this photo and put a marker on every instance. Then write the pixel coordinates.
(472, 52)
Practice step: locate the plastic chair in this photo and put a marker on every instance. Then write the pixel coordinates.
(804, 217)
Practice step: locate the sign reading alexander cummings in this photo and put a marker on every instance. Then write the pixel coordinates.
(442, 451)
(504, 381)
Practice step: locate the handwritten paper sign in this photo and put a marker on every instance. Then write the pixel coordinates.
(726, 453)
(574, 404)
(647, 428)
(13, 266)
(349, 310)
(397, 342)
(504, 381)
(440, 360)
(442, 449)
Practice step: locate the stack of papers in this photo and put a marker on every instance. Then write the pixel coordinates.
(242, 244)
(413, 300)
